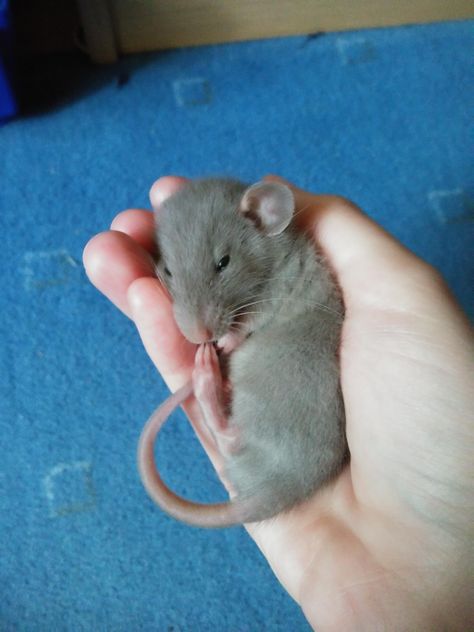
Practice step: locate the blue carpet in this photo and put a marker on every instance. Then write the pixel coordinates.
(381, 116)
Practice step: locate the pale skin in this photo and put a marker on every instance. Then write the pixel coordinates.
(386, 546)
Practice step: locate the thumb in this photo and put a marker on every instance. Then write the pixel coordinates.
(371, 266)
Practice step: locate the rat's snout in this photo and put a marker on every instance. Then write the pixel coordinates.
(192, 328)
(198, 333)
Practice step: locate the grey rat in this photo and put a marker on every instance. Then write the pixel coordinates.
(244, 279)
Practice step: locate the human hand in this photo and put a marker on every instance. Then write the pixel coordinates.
(387, 544)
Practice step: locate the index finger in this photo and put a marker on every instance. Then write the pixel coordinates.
(152, 312)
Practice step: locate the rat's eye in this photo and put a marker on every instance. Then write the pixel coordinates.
(167, 272)
(222, 263)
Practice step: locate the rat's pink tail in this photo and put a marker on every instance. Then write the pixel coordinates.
(196, 514)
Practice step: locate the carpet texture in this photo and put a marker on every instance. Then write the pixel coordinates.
(381, 116)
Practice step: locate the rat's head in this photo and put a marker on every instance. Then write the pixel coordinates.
(218, 244)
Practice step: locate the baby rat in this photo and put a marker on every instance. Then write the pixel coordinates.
(242, 278)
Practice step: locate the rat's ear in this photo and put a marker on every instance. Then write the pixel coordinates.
(270, 206)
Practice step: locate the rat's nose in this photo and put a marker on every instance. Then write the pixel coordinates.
(198, 333)
(192, 327)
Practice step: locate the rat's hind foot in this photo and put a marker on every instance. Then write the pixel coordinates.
(209, 392)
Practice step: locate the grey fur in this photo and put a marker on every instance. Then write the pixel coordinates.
(286, 398)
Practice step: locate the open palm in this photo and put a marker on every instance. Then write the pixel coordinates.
(386, 545)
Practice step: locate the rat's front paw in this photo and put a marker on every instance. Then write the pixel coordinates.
(230, 341)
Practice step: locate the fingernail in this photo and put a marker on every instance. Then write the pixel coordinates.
(156, 196)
